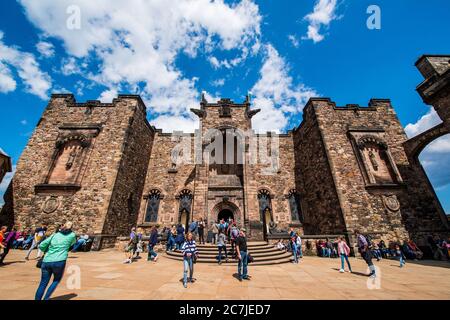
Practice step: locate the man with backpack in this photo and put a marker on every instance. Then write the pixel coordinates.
(234, 233)
(364, 250)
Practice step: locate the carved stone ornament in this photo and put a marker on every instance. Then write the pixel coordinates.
(391, 202)
(50, 205)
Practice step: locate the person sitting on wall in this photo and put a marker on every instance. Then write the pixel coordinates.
(436, 249)
(415, 249)
(81, 242)
(376, 252)
(407, 252)
(383, 249)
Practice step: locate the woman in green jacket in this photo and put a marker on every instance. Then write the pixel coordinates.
(56, 248)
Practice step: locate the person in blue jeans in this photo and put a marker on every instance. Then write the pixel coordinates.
(190, 253)
(242, 255)
(153, 241)
(56, 249)
(171, 239)
(294, 248)
(179, 239)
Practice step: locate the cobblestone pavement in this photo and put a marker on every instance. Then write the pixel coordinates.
(103, 276)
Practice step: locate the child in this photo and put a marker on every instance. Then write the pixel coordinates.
(400, 255)
(343, 251)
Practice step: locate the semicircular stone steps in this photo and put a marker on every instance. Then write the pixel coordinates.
(262, 253)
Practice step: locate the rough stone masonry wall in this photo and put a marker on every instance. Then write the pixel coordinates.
(169, 184)
(127, 193)
(314, 180)
(279, 182)
(362, 207)
(88, 206)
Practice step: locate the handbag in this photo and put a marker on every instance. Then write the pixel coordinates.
(250, 259)
(41, 259)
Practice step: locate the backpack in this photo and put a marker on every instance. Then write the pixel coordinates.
(369, 240)
(234, 233)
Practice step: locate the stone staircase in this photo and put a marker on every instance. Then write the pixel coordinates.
(262, 252)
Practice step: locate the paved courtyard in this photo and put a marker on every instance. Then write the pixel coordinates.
(103, 276)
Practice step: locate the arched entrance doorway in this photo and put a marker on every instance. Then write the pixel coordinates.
(225, 214)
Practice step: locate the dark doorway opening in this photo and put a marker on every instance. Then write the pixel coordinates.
(225, 214)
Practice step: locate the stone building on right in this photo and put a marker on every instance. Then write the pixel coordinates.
(358, 170)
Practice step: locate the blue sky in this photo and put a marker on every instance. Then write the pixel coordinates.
(169, 54)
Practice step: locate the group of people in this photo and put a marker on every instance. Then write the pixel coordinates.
(53, 245)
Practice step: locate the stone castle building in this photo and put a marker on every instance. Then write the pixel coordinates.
(103, 166)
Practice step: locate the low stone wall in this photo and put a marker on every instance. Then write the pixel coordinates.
(309, 247)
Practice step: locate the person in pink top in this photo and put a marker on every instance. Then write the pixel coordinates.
(344, 252)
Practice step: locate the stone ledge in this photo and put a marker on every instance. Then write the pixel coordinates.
(43, 187)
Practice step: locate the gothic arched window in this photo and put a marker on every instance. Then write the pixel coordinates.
(294, 205)
(185, 198)
(151, 215)
(265, 204)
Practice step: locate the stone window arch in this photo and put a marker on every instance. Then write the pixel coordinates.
(375, 159)
(68, 160)
(185, 205)
(295, 206)
(153, 200)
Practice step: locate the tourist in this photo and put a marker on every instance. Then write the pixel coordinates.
(2, 237)
(407, 252)
(234, 233)
(363, 248)
(56, 248)
(383, 249)
(293, 244)
(193, 228)
(344, 253)
(39, 235)
(190, 255)
(291, 234)
(222, 245)
(133, 240)
(298, 240)
(129, 251)
(201, 231)
(415, 249)
(330, 249)
(8, 243)
(223, 225)
(242, 255)
(171, 238)
(140, 244)
(400, 255)
(152, 242)
(376, 251)
(81, 242)
(215, 232)
(280, 245)
(438, 253)
(179, 239)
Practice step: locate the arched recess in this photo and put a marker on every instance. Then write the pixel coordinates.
(265, 210)
(184, 198)
(227, 206)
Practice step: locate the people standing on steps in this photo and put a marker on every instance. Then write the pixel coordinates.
(364, 250)
(152, 242)
(222, 245)
(39, 235)
(344, 253)
(171, 239)
(215, 231)
(190, 255)
(293, 244)
(242, 255)
(234, 234)
(56, 250)
(193, 228)
(201, 231)
(179, 239)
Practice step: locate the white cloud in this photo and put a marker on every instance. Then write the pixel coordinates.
(427, 121)
(276, 94)
(293, 39)
(70, 66)
(107, 96)
(46, 49)
(137, 42)
(324, 12)
(435, 158)
(24, 122)
(218, 82)
(7, 82)
(36, 82)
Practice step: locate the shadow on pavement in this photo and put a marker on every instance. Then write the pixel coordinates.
(65, 297)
